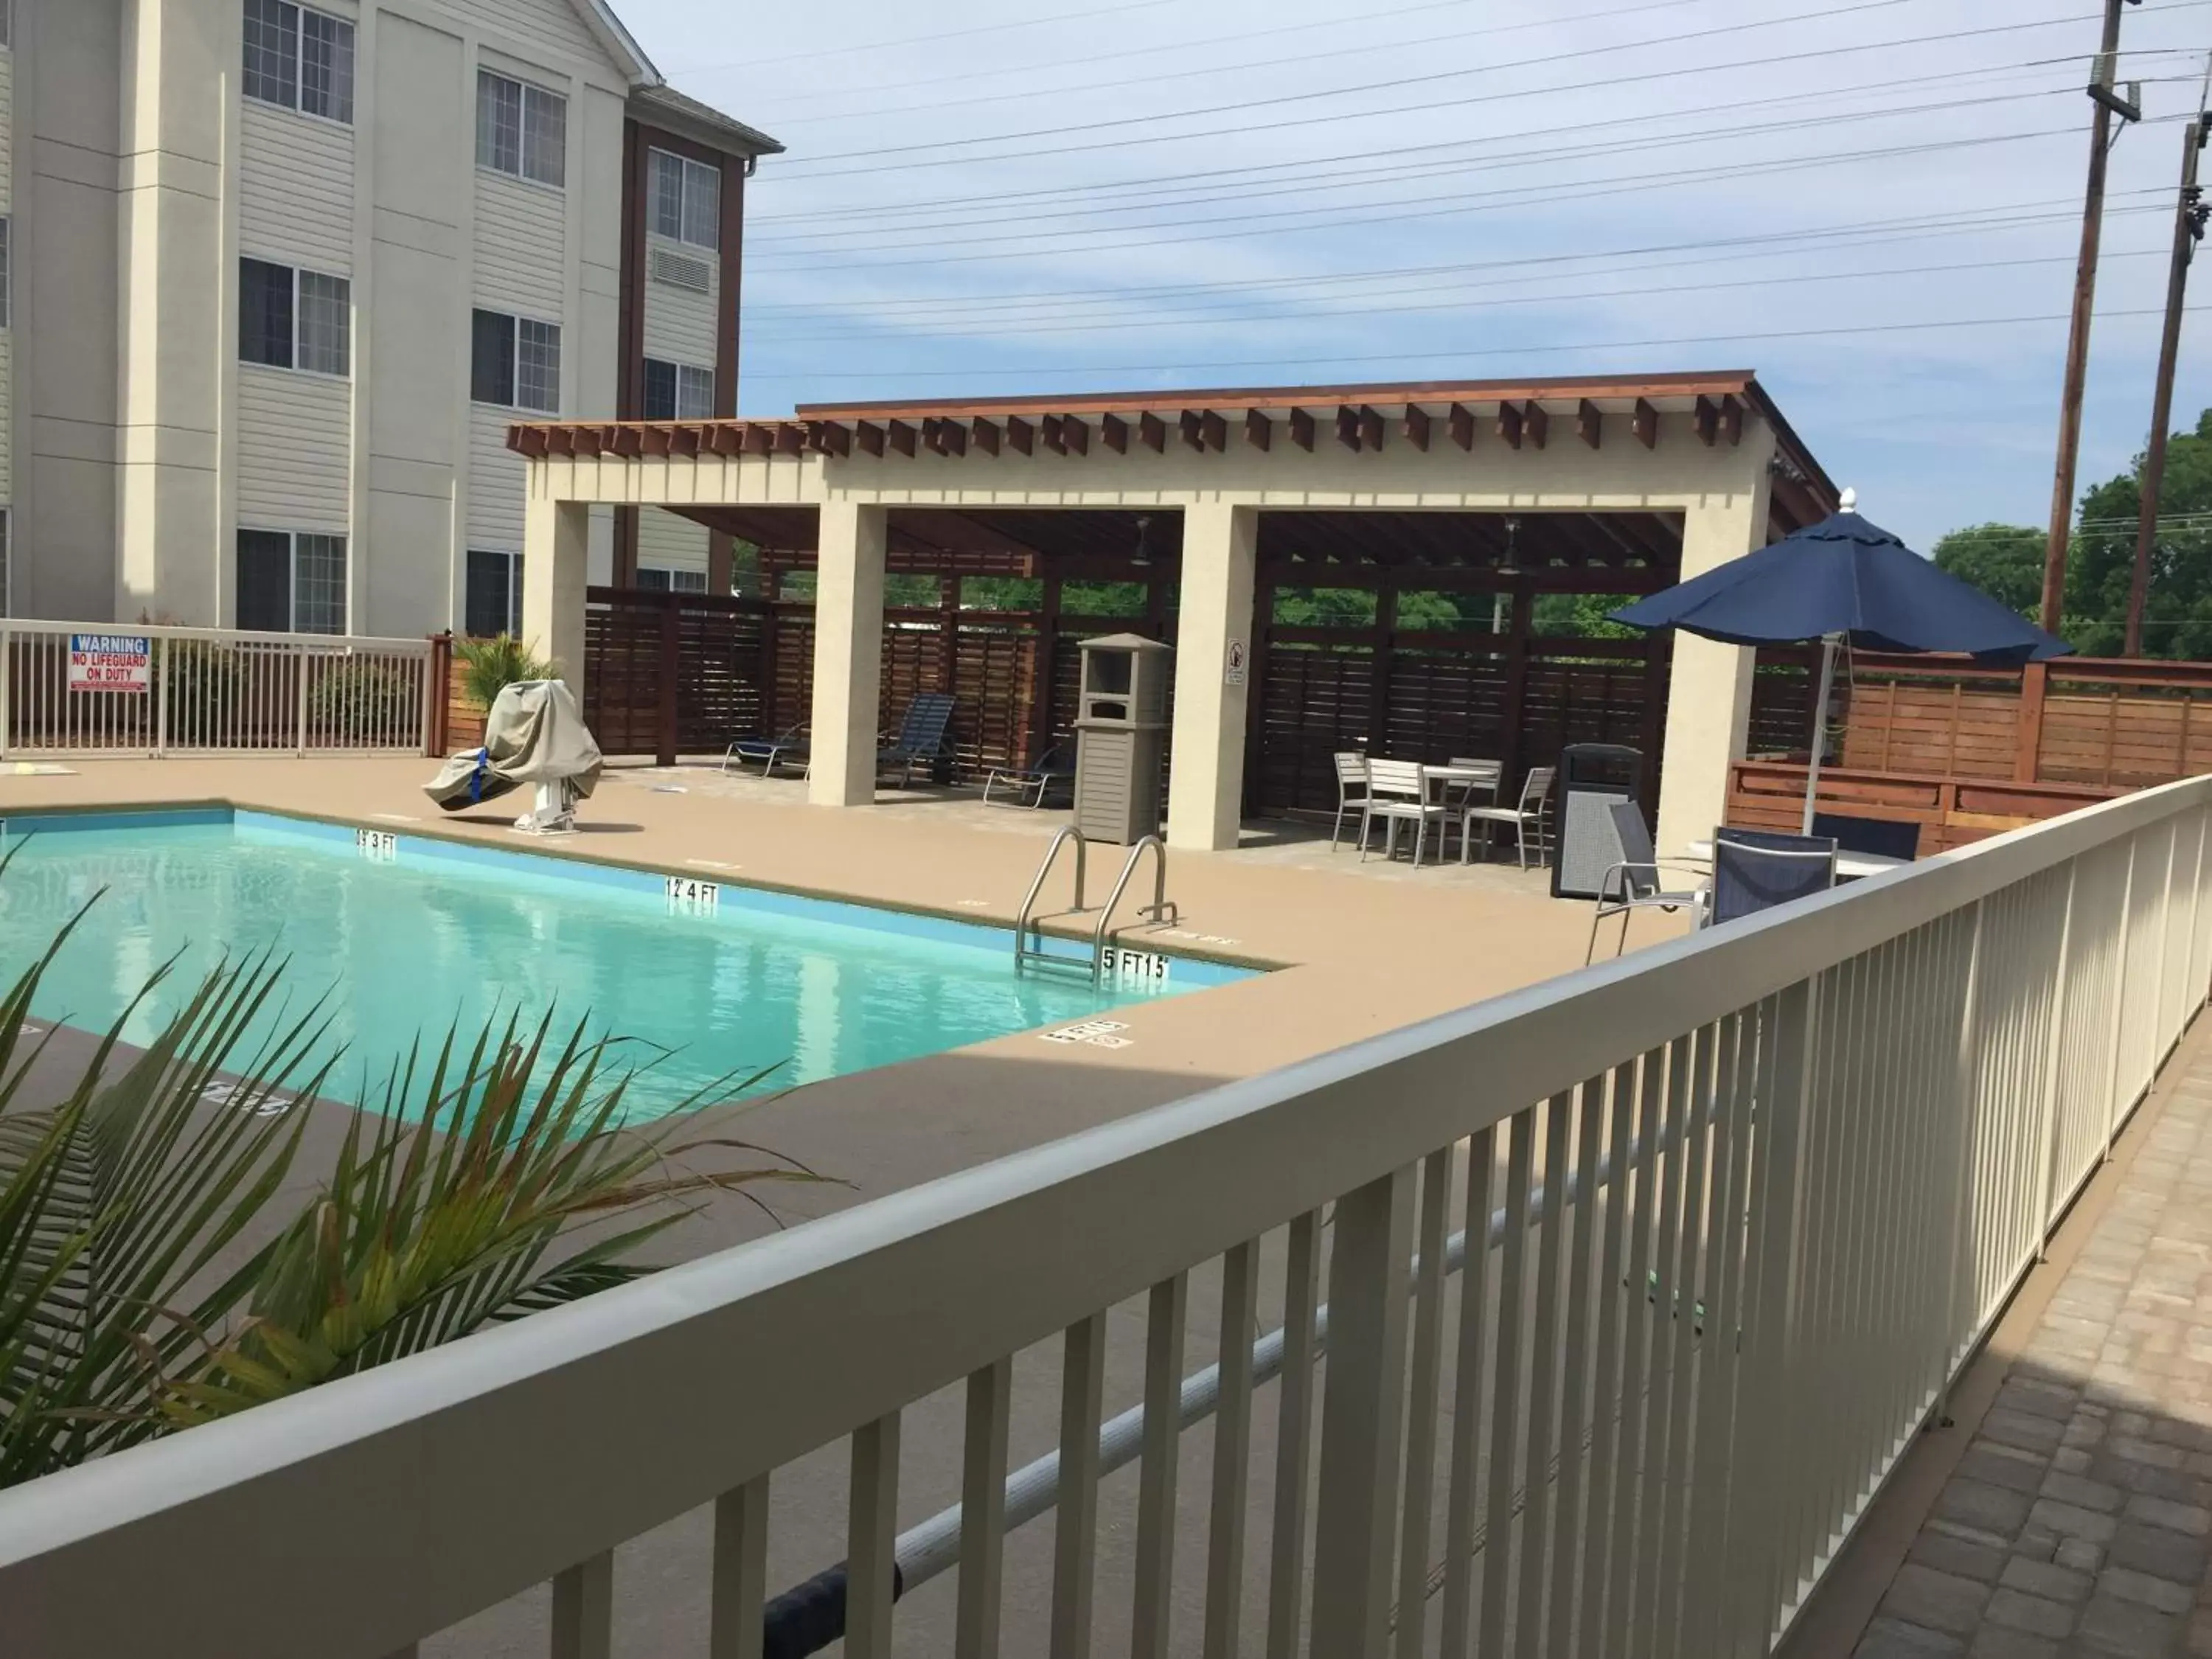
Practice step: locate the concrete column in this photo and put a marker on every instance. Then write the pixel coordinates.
(556, 548)
(176, 296)
(1708, 697)
(848, 645)
(1206, 780)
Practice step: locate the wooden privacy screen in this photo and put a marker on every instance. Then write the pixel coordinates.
(1430, 696)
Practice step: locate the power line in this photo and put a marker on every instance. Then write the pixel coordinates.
(1640, 290)
(847, 48)
(1154, 80)
(876, 165)
(2002, 216)
(1541, 155)
(1464, 203)
(1205, 177)
(1430, 356)
(1362, 19)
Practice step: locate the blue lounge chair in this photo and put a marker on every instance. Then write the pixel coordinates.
(788, 747)
(924, 736)
(1054, 766)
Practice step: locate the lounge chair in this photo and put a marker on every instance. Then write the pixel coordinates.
(924, 736)
(1634, 883)
(786, 747)
(1054, 766)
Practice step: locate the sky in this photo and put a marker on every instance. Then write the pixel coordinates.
(1875, 203)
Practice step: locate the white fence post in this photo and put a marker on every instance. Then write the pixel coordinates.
(7, 685)
(1362, 1410)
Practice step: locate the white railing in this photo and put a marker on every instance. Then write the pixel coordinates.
(152, 690)
(1727, 1216)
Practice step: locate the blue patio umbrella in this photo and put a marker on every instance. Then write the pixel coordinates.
(1843, 579)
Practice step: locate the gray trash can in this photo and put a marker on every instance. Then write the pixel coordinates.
(1120, 733)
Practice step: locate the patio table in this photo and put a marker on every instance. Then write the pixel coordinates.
(1850, 867)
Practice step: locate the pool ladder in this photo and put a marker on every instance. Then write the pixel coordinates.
(1028, 937)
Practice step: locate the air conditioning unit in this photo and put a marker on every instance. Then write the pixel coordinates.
(680, 270)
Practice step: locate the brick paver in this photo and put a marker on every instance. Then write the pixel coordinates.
(2079, 1520)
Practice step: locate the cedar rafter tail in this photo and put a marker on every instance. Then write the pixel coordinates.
(1417, 427)
(1302, 429)
(1259, 430)
(1644, 423)
(1462, 423)
(1589, 423)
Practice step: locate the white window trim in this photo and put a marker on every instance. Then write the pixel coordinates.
(653, 204)
(518, 177)
(300, 76)
(292, 571)
(515, 319)
(295, 367)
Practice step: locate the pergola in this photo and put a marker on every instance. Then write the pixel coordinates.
(1589, 484)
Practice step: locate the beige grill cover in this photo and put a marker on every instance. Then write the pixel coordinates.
(534, 734)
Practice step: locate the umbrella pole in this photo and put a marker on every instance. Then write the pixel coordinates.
(1828, 642)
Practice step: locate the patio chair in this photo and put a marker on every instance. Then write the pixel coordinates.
(787, 745)
(1887, 838)
(1054, 766)
(1490, 780)
(1756, 870)
(1633, 884)
(1398, 792)
(1350, 790)
(924, 736)
(1526, 819)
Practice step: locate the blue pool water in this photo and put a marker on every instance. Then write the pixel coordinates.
(412, 934)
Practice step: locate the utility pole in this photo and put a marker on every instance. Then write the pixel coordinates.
(2188, 230)
(2109, 103)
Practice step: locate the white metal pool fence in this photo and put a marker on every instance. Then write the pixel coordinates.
(86, 688)
(1801, 1162)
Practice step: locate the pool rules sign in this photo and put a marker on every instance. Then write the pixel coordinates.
(111, 662)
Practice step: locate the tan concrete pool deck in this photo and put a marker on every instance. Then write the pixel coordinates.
(1361, 948)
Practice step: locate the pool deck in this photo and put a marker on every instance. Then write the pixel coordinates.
(1364, 947)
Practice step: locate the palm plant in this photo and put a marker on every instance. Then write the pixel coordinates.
(489, 667)
(126, 1310)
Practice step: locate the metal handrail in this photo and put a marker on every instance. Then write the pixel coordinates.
(1159, 909)
(1023, 926)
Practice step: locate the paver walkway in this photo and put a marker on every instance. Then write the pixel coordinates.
(2080, 1519)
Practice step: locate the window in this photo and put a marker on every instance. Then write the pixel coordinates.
(521, 130)
(493, 602)
(677, 392)
(291, 583)
(687, 200)
(659, 581)
(291, 319)
(514, 362)
(300, 59)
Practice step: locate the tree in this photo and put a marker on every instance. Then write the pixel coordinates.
(2006, 560)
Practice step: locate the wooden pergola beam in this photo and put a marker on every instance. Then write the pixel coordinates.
(1732, 420)
(1589, 423)
(1644, 423)
(1192, 426)
(1020, 434)
(1417, 427)
(1708, 418)
(869, 436)
(1302, 429)
(900, 437)
(1537, 422)
(1049, 430)
(1116, 432)
(1259, 430)
(1347, 426)
(1370, 429)
(790, 438)
(1213, 431)
(1461, 421)
(1075, 435)
(1153, 432)
(1509, 424)
(987, 435)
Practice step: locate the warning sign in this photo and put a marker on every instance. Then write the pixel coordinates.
(1235, 664)
(111, 662)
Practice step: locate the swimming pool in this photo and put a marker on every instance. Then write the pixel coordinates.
(705, 979)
